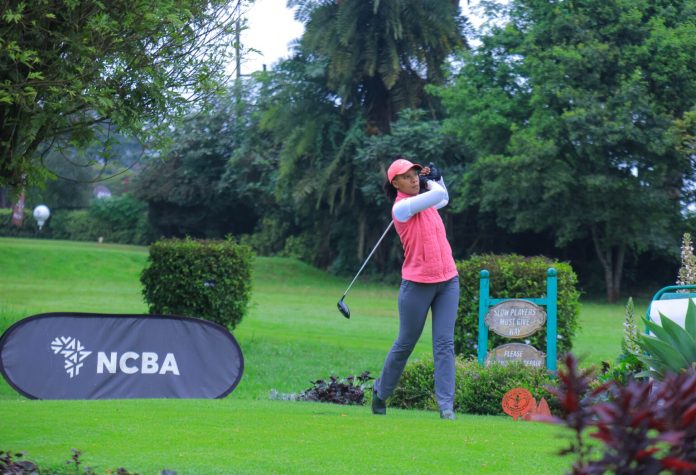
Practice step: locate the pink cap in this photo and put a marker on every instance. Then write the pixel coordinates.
(400, 166)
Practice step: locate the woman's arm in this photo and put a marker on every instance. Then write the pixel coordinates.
(436, 196)
(445, 200)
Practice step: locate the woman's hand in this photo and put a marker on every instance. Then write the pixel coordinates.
(425, 171)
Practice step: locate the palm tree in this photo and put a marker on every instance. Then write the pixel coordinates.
(381, 53)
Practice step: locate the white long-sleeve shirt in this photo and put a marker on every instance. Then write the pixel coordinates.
(436, 197)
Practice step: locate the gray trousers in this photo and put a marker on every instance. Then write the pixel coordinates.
(414, 301)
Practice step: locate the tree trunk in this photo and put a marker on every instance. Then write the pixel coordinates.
(378, 107)
(612, 260)
(362, 228)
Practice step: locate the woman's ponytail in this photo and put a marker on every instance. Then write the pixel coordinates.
(389, 190)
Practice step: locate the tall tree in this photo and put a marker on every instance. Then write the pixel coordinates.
(571, 107)
(184, 190)
(381, 53)
(68, 65)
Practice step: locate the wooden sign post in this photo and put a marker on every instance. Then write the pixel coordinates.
(518, 318)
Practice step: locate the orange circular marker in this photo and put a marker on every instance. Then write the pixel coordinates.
(518, 402)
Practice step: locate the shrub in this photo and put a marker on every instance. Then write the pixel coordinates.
(416, 386)
(644, 426)
(122, 219)
(76, 225)
(479, 389)
(269, 237)
(349, 390)
(207, 279)
(302, 247)
(514, 276)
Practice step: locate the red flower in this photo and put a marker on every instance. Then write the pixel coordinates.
(671, 463)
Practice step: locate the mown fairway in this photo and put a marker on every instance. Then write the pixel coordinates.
(291, 335)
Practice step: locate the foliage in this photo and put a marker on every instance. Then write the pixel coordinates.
(419, 138)
(572, 110)
(687, 271)
(348, 390)
(269, 238)
(204, 188)
(119, 219)
(78, 225)
(628, 364)
(644, 426)
(479, 389)
(416, 388)
(380, 54)
(206, 279)
(630, 345)
(70, 67)
(514, 276)
(122, 219)
(672, 348)
(357, 65)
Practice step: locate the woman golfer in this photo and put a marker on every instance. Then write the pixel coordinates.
(429, 281)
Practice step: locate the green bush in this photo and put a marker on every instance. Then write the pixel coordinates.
(479, 389)
(514, 276)
(416, 386)
(207, 279)
(269, 237)
(74, 225)
(122, 219)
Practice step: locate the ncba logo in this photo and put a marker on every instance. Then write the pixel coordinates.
(73, 351)
(127, 363)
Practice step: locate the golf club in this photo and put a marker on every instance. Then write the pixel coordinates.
(342, 307)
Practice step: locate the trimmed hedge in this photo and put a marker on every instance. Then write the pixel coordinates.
(206, 279)
(514, 276)
(479, 390)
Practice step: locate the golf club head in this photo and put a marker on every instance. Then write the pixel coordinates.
(343, 308)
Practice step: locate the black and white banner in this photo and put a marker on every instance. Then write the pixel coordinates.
(94, 356)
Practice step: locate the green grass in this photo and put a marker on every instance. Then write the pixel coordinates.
(240, 436)
(601, 332)
(292, 334)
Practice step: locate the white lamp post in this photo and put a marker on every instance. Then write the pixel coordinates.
(41, 214)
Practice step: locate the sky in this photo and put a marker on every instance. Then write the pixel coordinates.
(271, 29)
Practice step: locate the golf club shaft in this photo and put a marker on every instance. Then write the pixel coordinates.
(368, 258)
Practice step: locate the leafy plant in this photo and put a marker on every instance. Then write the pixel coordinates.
(628, 363)
(673, 348)
(349, 390)
(644, 426)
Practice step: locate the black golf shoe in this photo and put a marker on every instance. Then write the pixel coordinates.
(379, 406)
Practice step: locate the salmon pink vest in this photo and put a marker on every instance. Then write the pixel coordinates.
(427, 253)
